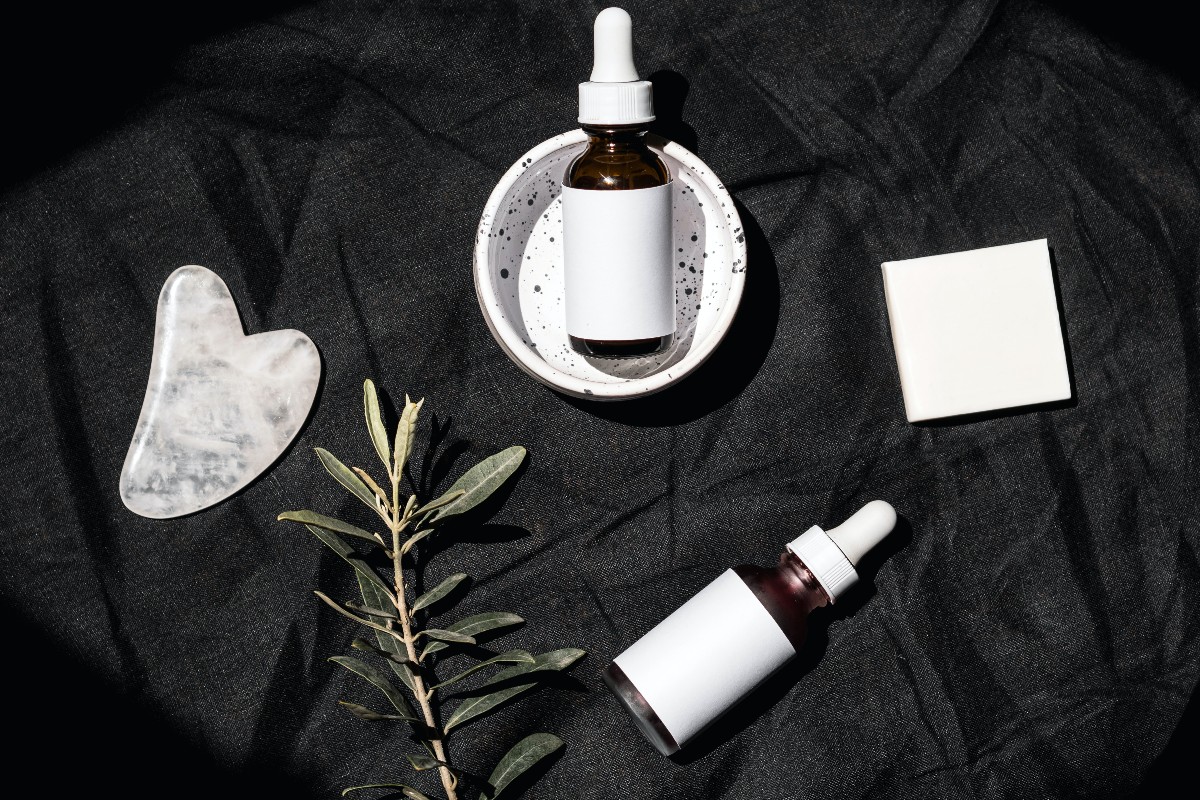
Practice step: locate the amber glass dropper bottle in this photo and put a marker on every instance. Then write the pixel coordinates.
(619, 289)
(700, 661)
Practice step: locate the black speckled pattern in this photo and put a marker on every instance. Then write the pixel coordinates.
(525, 264)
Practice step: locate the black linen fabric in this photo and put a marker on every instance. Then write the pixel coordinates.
(1032, 631)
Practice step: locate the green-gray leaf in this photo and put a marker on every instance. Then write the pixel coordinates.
(342, 474)
(520, 758)
(339, 546)
(407, 791)
(367, 647)
(475, 625)
(371, 612)
(377, 679)
(412, 540)
(362, 712)
(328, 523)
(443, 635)
(421, 762)
(372, 597)
(478, 483)
(375, 424)
(434, 505)
(345, 613)
(554, 661)
(439, 592)
(510, 657)
(404, 433)
(473, 707)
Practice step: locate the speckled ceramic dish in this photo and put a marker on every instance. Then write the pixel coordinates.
(519, 276)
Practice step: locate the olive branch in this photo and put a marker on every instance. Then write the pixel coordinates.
(403, 637)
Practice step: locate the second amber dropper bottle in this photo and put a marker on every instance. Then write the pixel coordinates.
(699, 662)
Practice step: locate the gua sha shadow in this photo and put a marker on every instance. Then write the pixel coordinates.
(220, 406)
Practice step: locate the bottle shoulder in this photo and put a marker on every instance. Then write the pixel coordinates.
(602, 166)
(788, 592)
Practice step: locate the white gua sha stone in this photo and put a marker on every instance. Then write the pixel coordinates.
(220, 406)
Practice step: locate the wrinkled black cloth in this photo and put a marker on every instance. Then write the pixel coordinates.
(1032, 631)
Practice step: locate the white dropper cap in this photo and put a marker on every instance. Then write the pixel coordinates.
(832, 555)
(613, 95)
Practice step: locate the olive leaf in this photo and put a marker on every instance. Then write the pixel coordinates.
(475, 625)
(443, 635)
(434, 505)
(412, 540)
(377, 679)
(375, 424)
(360, 620)
(510, 657)
(474, 707)
(404, 433)
(407, 791)
(365, 646)
(370, 612)
(329, 524)
(362, 712)
(520, 758)
(478, 483)
(348, 554)
(421, 762)
(438, 592)
(352, 483)
(553, 661)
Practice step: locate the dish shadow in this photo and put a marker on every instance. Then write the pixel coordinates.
(763, 698)
(730, 368)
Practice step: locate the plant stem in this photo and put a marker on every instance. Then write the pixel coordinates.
(397, 523)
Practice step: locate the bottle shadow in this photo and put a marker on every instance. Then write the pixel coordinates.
(763, 698)
(731, 367)
(670, 94)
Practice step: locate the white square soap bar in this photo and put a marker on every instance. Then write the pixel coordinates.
(976, 331)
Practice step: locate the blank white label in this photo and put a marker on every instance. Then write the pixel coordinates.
(706, 656)
(617, 259)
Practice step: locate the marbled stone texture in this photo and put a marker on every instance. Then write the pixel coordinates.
(220, 406)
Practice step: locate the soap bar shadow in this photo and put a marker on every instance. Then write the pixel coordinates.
(775, 688)
(731, 367)
(1054, 405)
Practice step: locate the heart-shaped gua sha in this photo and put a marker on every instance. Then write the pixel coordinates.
(220, 406)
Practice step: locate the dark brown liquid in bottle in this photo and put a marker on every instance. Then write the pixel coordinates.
(617, 158)
(789, 591)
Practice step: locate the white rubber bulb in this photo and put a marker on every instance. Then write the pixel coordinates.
(613, 43)
(865, 529)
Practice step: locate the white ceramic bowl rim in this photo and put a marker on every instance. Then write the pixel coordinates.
(529, 360)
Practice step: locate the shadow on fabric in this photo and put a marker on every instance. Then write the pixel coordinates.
(106, 738)
(1175, 765)
(1157, 32)
(670, 94)
(74, 74)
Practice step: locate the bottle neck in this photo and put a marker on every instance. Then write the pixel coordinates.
(801, 581)
(616, 137)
